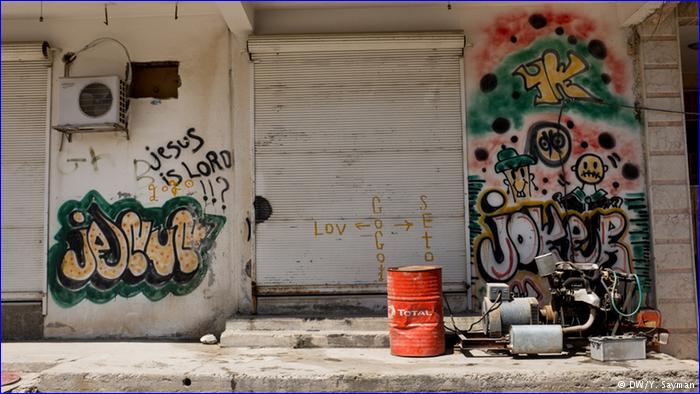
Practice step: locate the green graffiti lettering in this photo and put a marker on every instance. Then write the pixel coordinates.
(104, 250)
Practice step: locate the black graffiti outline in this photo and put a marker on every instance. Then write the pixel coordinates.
(551, 220)
(115, 235)
(526, 68)
(532, 144)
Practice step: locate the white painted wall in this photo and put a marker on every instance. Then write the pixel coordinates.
(200, 44)
(243, 186)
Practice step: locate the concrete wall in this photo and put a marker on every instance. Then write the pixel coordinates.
(666, 154)
(22, 321)
(141, 286)
(244, 188)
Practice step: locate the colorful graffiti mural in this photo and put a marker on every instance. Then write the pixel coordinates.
(104, 250)
(554, 162)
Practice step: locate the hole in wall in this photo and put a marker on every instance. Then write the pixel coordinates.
(155, 79)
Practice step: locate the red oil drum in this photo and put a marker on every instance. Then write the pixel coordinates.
(415, 311)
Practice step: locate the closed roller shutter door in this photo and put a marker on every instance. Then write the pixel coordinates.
(358, 149)
(25, 87)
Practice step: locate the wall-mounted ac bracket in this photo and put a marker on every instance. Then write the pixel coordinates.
(67, 131)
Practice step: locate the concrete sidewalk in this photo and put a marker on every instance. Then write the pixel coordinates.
(177, 366)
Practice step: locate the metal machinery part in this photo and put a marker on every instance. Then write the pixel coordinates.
(536, 339)
(517, 311)
(588, 303)
(546, 264)
(618, 348)
(494, 290)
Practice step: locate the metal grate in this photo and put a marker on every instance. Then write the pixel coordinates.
(534, 313)
(95, 100)
(123, 101)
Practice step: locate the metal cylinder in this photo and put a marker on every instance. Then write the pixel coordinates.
(523, 310)
(536, 339)
(414, 306)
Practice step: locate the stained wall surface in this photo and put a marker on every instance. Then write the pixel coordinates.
(140, 229)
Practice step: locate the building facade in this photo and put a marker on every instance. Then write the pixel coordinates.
(289, 153)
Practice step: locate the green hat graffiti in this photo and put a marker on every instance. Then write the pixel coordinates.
(508, 159)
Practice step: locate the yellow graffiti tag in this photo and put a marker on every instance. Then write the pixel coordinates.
(552, 79)
(136, 243)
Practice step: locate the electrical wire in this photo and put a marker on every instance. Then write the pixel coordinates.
(455, 329)
(99, 41)
(607, 290)
(635, 107)
(563, 181)
(497, 303)
(639, 289)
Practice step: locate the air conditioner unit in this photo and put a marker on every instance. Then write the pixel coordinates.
(92, 104)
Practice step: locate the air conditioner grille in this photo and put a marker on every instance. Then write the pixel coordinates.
(123, 101)
(95, 99)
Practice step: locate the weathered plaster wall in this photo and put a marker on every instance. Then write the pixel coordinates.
(142, 229)
(244, 187)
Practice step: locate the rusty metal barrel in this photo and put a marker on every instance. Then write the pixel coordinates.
(414, 306)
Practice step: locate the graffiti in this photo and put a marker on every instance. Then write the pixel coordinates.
(511, 43)
(589, 169)
(527, 284)
(94, 159)
(207, 172)
(550, 142)
(174, 148)
(636, 204)
(514, 236)
(552, 170)
(172, 187)
(104, 250)
(376, 204)
(76, 161)
(552, 79)
(428, 256)
(516, 169)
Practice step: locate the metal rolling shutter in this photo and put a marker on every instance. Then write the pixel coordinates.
(26, 76)
(340, 120)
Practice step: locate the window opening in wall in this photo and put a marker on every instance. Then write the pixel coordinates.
(155, 79)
